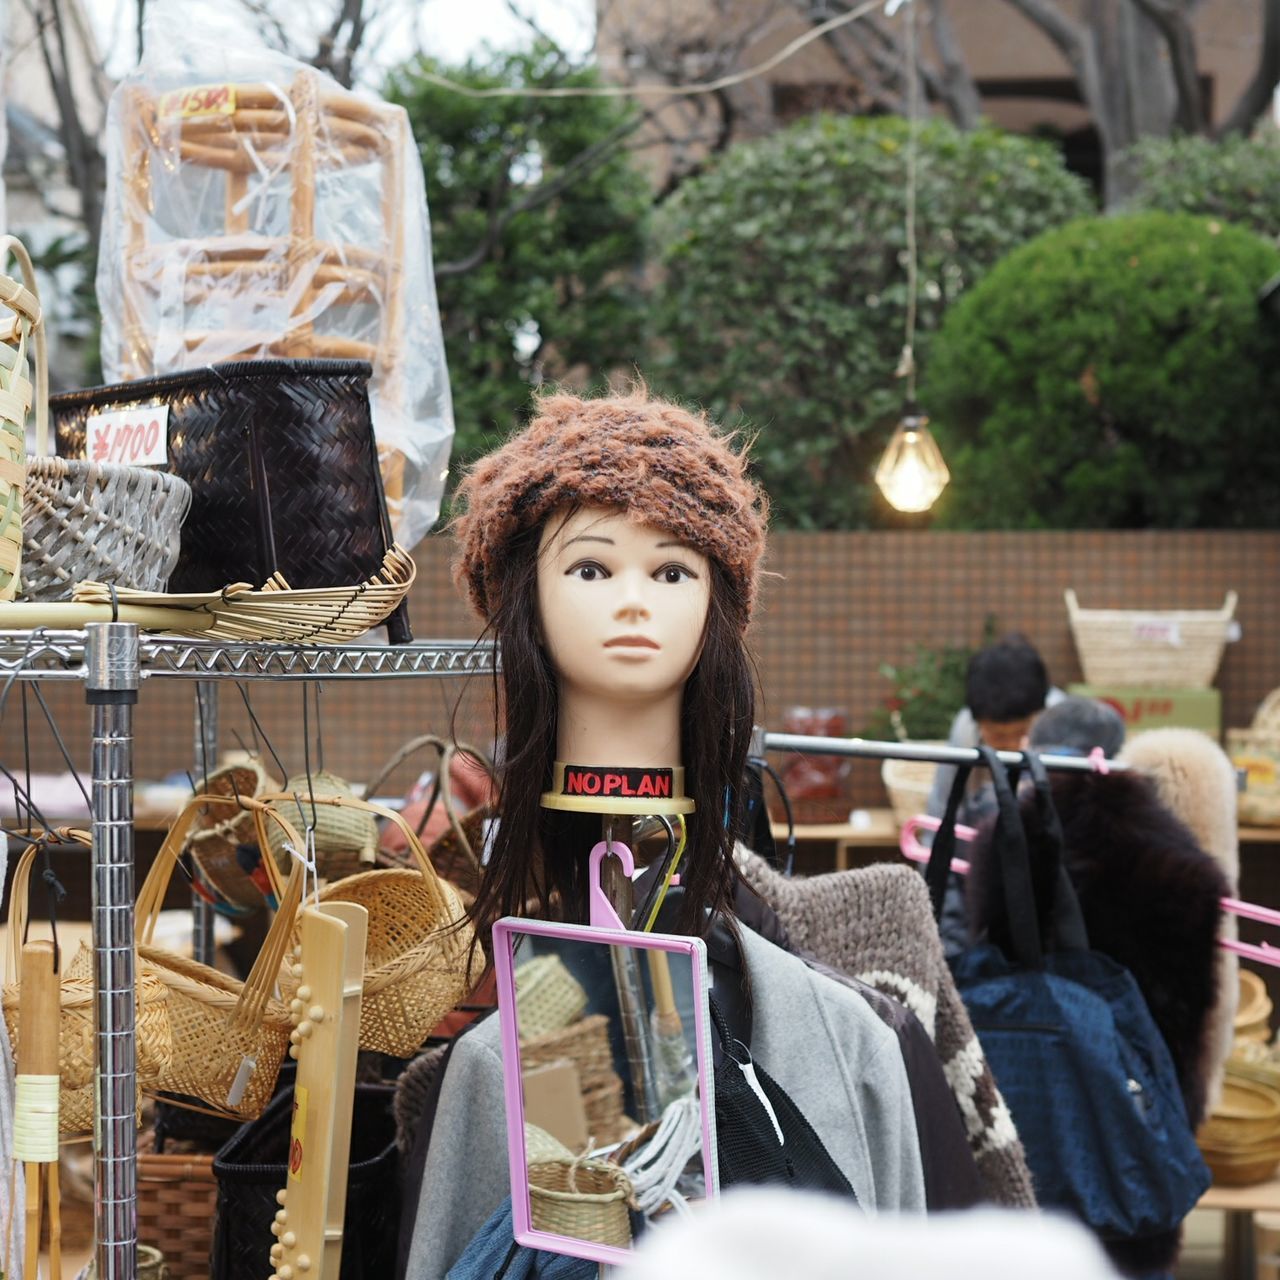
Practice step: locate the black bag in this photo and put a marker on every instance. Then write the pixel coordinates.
(283, 468)
(1084, 1071)
(748, 1147)
(253, 1166)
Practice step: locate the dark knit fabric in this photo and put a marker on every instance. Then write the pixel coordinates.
(876, 925)
(660, 463)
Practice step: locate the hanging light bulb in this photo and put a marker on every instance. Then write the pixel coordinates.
(912, 474)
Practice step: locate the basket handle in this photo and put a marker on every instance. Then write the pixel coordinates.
(19, 892)
(412, 747)
(259, 985)
(24, 300)
(429, 873)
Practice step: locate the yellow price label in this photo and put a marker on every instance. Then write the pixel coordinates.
(298, 1134)
(199, 100)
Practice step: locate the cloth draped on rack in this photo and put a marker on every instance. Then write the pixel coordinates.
(1196, 782)
(821, 1042)
(875, 924)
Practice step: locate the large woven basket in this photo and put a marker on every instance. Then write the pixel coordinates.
(1175, 649)
(582, 1199)
(421, 957)
(16, 332)
(229, 1037)
(585, 1043)
(76, 1046)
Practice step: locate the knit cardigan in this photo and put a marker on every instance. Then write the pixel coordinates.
(876, 924)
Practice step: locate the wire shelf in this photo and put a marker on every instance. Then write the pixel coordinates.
(60, 655)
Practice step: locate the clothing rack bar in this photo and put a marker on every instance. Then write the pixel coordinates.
(871, 749)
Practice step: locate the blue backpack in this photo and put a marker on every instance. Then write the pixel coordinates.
(1079, 1060)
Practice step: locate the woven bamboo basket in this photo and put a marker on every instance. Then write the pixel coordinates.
(1240, 1140)
(229, 1037)
(908, 783)
(16, 333)
(76, 1046)
(1256, 750)
(177, 1200)
(1253, 1011)
(117, 524)
(585, 1043)
(582, 1199)
(606, 1120)
(1177, 649)
(218, 830)
(548, 996)
(421, 957)
(346, 836)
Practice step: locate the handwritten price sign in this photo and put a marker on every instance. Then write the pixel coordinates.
(137, 436)
(199, 100)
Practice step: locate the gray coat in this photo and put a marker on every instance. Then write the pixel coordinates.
(821, 1042)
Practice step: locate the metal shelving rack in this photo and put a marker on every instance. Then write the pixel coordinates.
(113, 661)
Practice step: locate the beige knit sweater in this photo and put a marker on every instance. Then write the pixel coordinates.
(876, 925)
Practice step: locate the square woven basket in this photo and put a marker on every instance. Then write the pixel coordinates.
(1172, 649)
(177, 1199)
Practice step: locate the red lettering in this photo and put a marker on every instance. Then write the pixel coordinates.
(295, 1157)
(662, 786)
(614, 783)
(153, 437)
(646, 785)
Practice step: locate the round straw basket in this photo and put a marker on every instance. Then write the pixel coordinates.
(908, 783)
(421, 956)
(548, 996)
(229, 1037)
(1253, 1012)
(583, 1199)
(218, 831)
(584, 1043)
(346, 837)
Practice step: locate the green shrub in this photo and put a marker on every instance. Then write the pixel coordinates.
(784, 292)
(1115, 373)
(1237, 179)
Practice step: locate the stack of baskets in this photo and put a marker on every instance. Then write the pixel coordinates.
(1176, 649)
(552, 1029)
(1253, 1013)
(1256, 750)
(572, 1196)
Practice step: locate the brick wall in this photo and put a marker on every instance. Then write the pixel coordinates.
(839, 605)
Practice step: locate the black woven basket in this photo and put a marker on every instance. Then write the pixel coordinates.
(253, 1166)
(283, 468)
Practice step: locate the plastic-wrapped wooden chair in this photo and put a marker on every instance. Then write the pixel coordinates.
(259, 143)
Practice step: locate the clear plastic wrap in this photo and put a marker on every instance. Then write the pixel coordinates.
(255, 208)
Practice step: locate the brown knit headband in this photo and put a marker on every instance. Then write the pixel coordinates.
(663, 465)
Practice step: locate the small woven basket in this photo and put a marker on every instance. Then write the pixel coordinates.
(585, 1043)
(582, 1199)
(229, 1037)
(218, 831)
(606, 1120)
(548, 996)
(421, 957)
(76, 1042)
(346, 837)
(1176, 649)
(177, 1197)
(16, 331)
(908, 783)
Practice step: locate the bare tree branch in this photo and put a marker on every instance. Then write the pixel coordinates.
(1257, 95)
(958, 89)
(1174, 23)
(337, 59)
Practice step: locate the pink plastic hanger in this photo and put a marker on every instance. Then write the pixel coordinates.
(1261, 952)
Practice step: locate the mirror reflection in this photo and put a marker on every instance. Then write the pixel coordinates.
(611, 1084)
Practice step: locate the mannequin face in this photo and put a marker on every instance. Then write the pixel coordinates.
(622, 606)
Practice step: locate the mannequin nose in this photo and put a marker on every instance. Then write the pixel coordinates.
(631, 601)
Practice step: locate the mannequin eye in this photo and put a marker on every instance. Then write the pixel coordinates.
(588, 571)
(674, 574)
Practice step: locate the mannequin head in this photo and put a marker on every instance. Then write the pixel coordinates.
(685, 531)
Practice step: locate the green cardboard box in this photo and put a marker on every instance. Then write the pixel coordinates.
(1154, 708)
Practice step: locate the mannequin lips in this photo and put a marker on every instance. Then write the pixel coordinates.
(631, 642)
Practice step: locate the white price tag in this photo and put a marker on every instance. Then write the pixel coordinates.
(138, 436)
(1158, 631)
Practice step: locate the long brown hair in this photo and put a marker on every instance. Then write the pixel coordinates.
(538, 860)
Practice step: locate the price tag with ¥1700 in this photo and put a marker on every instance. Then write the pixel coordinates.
(138, 436)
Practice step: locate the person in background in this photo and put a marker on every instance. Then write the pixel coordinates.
(1077, 726)
(1006, 688)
